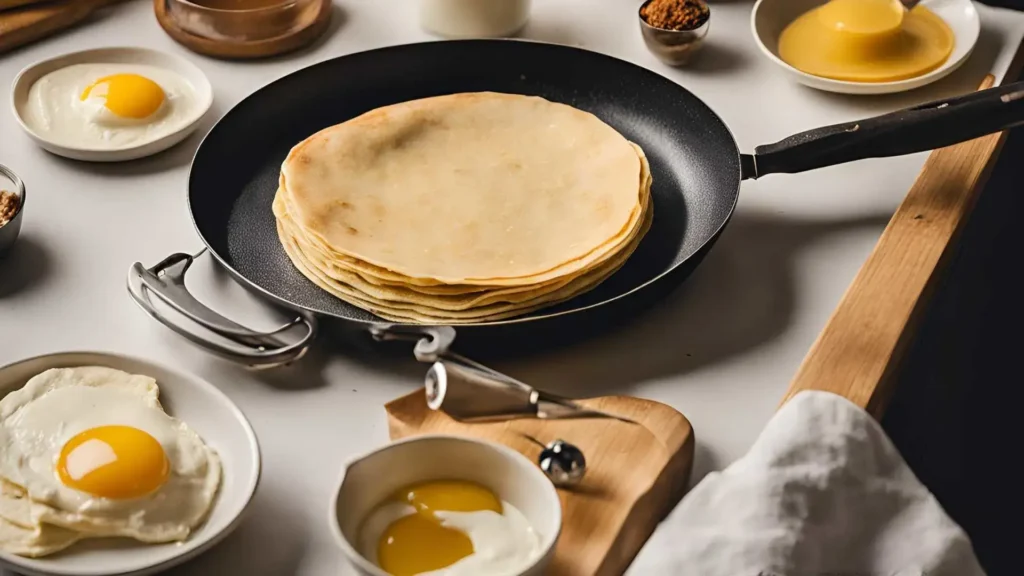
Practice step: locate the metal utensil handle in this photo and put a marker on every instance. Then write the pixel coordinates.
(925, 127)
(166, 280)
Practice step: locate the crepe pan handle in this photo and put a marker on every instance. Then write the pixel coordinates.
(925, 127)
(166, 282)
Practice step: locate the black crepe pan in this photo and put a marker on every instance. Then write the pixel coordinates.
(695, 161)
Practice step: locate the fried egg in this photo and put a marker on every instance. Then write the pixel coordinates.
(93, 454)
(448, 528)
(109, 106)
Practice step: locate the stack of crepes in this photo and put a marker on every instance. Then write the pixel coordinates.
(463, 208)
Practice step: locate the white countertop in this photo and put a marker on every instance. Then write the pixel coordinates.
(721, 349)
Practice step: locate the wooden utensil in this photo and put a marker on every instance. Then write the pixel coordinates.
(29, 23)
(8, 4)
(636, 473)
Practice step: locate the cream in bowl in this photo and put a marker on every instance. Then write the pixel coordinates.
(446, 506)
(866, 41)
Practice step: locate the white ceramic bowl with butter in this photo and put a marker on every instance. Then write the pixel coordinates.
(770, 17)
(369, 480)
(206, 410)
(120, 55)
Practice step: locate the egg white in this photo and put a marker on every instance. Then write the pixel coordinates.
(56, 110)
(503, 544)
(37, 420)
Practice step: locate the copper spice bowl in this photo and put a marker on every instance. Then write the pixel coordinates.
(673, 47)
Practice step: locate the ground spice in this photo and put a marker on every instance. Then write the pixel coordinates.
(8, 207)
(675, 14)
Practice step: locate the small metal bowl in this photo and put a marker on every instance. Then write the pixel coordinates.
(673, 47)
(10, 182)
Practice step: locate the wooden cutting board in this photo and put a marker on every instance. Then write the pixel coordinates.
(25, 21)
(636, 473)
(8, 4)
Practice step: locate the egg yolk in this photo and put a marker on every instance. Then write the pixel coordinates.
(418, 542)
(127, 95)
(117, 462)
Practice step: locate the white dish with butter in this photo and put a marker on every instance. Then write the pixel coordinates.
(770, 17)
(508, 520)
(197, 404)
(110, 104)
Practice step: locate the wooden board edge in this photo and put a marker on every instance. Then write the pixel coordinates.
(857, 352)
(676, 435)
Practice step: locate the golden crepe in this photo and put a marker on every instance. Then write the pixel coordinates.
(463, 208)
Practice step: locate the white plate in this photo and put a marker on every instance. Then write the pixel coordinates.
(207, 411)
(770, 17)
(30, 74)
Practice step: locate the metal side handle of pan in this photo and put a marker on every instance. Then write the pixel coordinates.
(463, 388)
(166, 281)
(925, 127)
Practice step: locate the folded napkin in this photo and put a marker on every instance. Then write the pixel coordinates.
(823, 492)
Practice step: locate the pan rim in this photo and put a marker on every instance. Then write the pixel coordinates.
(274, 298)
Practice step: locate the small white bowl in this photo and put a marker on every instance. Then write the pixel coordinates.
(207, 411)
(30, 74)
(770, 17)
(369, 480)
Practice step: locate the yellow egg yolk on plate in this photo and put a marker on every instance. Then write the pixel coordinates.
(127, 95)
(418, 542)
(117, 462)
(866, 41)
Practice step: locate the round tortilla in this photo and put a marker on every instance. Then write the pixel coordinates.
(465, 189)
(417, 312)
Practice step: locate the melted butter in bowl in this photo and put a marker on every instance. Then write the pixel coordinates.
(866, 41)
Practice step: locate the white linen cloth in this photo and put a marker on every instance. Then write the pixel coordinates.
(823, 492)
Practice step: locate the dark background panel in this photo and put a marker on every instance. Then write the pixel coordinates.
(958, 411)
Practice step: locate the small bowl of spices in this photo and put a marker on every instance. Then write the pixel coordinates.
(674, 29)
(12, 202)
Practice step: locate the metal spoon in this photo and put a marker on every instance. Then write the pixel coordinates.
(561, 461)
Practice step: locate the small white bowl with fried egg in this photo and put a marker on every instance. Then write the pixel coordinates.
(110, 104)
(442, 505)
(116, 465)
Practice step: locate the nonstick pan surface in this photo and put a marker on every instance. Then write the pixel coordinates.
(693, 157)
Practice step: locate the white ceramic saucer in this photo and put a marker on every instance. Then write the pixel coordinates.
(28, 76)
(207, 411)
(770, 17)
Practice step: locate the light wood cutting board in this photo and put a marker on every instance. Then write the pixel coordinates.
(34, 20)
(636, 473)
